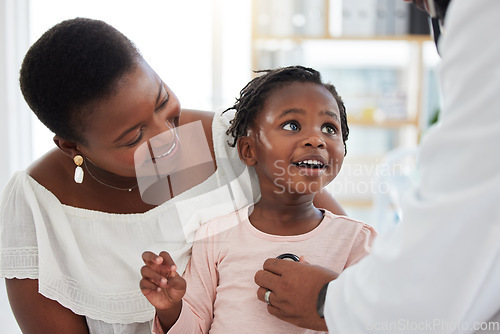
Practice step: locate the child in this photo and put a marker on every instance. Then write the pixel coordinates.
(292, 128)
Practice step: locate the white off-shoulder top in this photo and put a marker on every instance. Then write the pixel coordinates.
(89, 261)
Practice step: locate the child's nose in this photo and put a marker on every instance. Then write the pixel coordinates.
(314, 140)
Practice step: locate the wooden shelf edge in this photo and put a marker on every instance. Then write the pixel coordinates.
(357, 203)
(382, 124)
(402, 38)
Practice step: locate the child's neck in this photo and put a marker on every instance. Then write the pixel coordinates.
(283, 215)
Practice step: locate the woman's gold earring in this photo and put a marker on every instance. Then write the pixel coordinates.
(78, 159)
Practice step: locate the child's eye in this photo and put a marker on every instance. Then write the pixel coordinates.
(291, 126)
(329, 129)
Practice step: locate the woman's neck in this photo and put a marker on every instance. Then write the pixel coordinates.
(285, 214)
(108, 179)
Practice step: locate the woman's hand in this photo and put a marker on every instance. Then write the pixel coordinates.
(160, 283)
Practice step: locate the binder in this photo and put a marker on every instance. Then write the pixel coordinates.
(382, 21)
(262, 18)
(401, 17)
(359, 17)
(392, 17)
(335, 20)
(281, 13)
(314, 15)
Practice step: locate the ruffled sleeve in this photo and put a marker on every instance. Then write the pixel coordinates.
(242, 179)
(362, 245)
(18, 241)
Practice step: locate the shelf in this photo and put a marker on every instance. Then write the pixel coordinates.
(382, 79)
(404, 38)
(383, 123)
(366, 204)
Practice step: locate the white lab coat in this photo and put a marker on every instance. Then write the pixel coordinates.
(439, 271)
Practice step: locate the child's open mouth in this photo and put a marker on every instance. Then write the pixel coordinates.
(310, 164)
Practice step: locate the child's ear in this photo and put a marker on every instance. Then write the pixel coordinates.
(246, 150)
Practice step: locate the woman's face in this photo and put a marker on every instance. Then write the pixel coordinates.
(142, 107)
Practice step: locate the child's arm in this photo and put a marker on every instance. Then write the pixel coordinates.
(193, 311)
(163, 287)
(325, 200)
(203, 278)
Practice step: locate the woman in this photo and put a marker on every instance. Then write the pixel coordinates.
(74, 225)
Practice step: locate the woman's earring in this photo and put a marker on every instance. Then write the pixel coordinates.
(78, 159)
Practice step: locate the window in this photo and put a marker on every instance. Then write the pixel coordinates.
(200, 48)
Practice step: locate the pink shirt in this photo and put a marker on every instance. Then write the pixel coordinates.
(221, 294)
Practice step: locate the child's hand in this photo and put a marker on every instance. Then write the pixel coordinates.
(160, 283)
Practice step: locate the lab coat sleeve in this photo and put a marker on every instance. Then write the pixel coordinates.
(438, 272)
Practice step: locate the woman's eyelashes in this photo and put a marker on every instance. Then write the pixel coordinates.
(163, 102)
(137, 139)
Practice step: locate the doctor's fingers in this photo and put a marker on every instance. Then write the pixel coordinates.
(267, 280)
(272, 298)
(275, 305)
(279, 266)
(279, 313)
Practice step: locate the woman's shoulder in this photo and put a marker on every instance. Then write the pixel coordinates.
(191, 115)
(52, 170)
(206, 118)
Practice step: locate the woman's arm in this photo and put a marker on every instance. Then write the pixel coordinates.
(206, 118)
(37, 314)
(326, 201)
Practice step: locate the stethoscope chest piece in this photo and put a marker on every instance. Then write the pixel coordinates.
(288, 256)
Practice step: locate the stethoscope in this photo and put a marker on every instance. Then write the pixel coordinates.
(288, 256)
(436, 30)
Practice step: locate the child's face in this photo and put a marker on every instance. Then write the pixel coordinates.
(298, 139)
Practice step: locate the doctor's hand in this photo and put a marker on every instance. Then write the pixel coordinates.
(294, 290)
